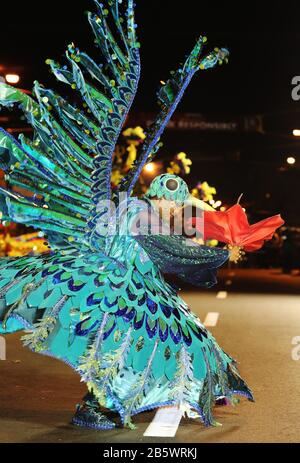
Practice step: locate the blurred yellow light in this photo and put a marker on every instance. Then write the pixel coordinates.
(150, 168)
(291, 160)
(212, 202)
(296, 133)
(12, 78)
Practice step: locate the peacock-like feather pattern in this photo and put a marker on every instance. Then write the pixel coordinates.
(142, 386)
(99, 301)
(183, 382)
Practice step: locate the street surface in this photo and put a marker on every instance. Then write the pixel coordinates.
(38, 394)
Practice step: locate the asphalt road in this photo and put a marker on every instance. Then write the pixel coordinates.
(38, 394)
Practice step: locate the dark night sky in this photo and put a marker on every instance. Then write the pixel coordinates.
(263, 38)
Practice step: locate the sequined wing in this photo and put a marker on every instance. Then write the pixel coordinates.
(184, 258)
(55, 180)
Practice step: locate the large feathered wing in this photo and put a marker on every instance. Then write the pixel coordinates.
(56, 179)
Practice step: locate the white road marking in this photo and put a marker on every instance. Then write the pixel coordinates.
(211, 319)
(222, 295)
(165, 423)
(2, 348)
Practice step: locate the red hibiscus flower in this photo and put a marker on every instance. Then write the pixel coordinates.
(232, 227)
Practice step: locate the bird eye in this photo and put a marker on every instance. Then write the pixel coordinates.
(172, 185)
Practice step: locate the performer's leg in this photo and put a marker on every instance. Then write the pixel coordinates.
(89, 415)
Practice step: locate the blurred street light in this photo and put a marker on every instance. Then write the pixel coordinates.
(296, 133)
(150, 168)
(12, 78)
(291, 160)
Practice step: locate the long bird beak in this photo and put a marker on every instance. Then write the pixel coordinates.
(192, 201)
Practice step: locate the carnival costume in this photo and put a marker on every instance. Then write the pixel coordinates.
(98, 300)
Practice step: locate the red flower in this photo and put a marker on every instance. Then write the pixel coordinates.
(232, 227)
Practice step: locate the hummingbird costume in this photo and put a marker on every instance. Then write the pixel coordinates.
(98, 300)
